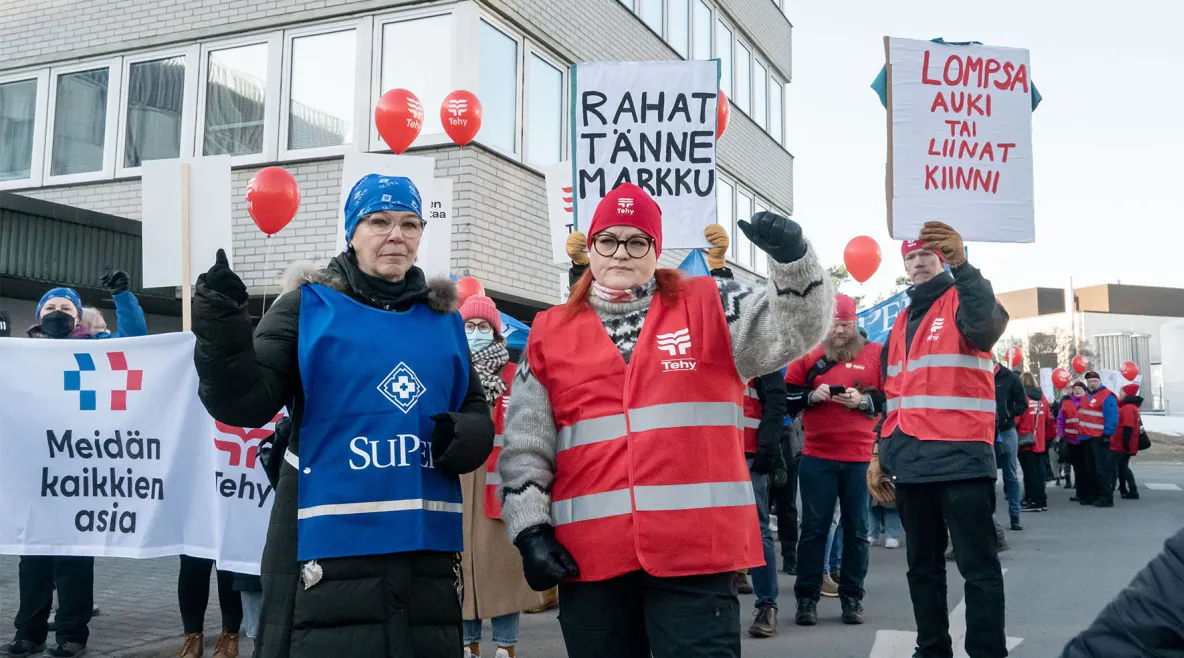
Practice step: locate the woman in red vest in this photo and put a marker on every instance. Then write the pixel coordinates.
(1125, 442)
(623, 470)
(1032, 427)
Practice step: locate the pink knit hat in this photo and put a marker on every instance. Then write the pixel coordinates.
(480, 307)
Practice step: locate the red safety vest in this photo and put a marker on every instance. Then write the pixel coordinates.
(1069, 411)
(1128, 416)
(493, 502)
(649, 465)
(946, 390)
(1093, 422)
(753, 409)
(1034, 422)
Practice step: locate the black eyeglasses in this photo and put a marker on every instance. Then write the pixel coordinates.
(636, 246)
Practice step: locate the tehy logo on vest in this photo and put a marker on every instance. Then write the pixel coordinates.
(625, 206)
(118, 379)
(676, 345)
(935, 329)
(402, 387)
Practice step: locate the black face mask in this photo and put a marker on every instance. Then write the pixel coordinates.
(58, 324)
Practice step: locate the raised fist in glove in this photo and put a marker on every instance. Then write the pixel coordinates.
(778, 236)
(577, 248)
(116, 282)
(944, 240)
(878, 484)
(222, 280)
(545, 561)
(718, 238)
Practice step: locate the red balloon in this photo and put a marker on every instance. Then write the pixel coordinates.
(723, 112)
(399, 118)
(862, 257)
(1080, 364)
(273, 197)
(468, 286)
(1060, 378)
(461, 115)
(1130, 371)
(1015, 356)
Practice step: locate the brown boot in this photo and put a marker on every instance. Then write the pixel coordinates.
(227, 646)
(550, 602)
(192, 647)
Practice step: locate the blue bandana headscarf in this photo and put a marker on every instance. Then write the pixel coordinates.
(67, 293)
(374, 193)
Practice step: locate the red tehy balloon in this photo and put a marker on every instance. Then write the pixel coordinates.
(1015, 356)
(1060, 378)
(399, 118)
(862, 257)
(468, 286)
(273, 197)
(1080, 364)
(722, 112)
(461, 115)
(1129, 371)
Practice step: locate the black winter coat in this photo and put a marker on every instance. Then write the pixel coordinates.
(1011, 402)
(403, 605)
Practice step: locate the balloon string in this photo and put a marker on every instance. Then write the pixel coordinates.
(267, 271)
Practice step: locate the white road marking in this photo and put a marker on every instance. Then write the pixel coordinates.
(1160, 486)
(902, 644)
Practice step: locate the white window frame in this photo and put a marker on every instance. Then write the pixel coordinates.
(519, 152)
(564, 107)
(760, 260)
(731, 58)
(710, 28)
(192, 55)
(737, 45)
(774, 81)
(667, 31)
(363, 38)
(740, 189)
(375, 143)
(37, 162)
(114, 68)
(271, 98)
(639, 11)
(756, 61)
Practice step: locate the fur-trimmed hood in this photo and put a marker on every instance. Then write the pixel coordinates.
(443, 296)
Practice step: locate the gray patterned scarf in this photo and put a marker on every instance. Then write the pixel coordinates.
(489, 363)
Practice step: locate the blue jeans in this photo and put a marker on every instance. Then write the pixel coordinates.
(505, 630)
(252, 604)
(833, 560)
(1007, 448)
(764, 579)
(823, 482)
(884, 520)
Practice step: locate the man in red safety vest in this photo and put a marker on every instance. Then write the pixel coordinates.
(937, 440)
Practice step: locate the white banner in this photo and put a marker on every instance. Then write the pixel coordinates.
(960, 140)
(210, 224)
(560, 203)
(106, 450)
(651, 124)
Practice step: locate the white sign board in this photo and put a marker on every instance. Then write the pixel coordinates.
(651, 124)
(210, 224)
(435, 249)
(960, 140)
(560, 206)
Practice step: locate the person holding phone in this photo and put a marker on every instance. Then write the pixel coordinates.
(838, 389)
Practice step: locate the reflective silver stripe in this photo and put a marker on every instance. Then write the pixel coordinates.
(1071, 421)
(671, 497)
(381, 506)
(492, 478)
(592, 506)
(751, 423)
(894, 370)
(593, 430)
(940, 402)
(951, 361)
(1093, 426)
(1096, 414)
(686, 414)
(292, 459)
(499, 441)
(751, 392)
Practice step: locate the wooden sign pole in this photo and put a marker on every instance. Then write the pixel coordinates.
(186, 270)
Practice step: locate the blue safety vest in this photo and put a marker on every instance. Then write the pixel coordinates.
(372, 381)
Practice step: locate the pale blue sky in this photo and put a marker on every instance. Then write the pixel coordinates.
(1107, 139)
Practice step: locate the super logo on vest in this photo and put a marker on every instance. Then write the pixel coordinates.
(403, 450)
(676, 344)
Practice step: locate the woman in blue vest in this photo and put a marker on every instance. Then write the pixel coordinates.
(372, 363)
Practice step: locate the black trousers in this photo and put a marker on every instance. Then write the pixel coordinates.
(1104, 469)
(966, 508)
(638, 615)
(786, 500)
(193, 595)
(1083, 463)
(1126, 477)
(74, 578)
(1032, 464)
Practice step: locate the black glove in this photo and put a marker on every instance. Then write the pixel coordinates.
(222, 280)
(117, 281)
(442, 434)
(778, 236)
(780, 476)
(545, 561)
(764, 461)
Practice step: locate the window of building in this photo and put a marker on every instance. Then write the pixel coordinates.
(742, 248)
(628, 3)
(236, 90)
(723, 50)
(759, 257)
(701, 44)
(429, 78)
(544, 123)
(155, 105)
(760, 91)
(497, 87)
(321, 90)
(743, 73)
(651, 13)
(18, 128)
(725, 213)
(776, 110)
(678, 34)
(82, 130)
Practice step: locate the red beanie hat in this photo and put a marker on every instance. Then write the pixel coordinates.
(480, 307)
(844, 308)
(628, 205)
(909, 246)
(1130, 390)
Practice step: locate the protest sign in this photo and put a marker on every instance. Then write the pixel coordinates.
(651, 124)
(877, 321)
(162, 206)
(560, 204)
(243, 494)
(959, 140)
